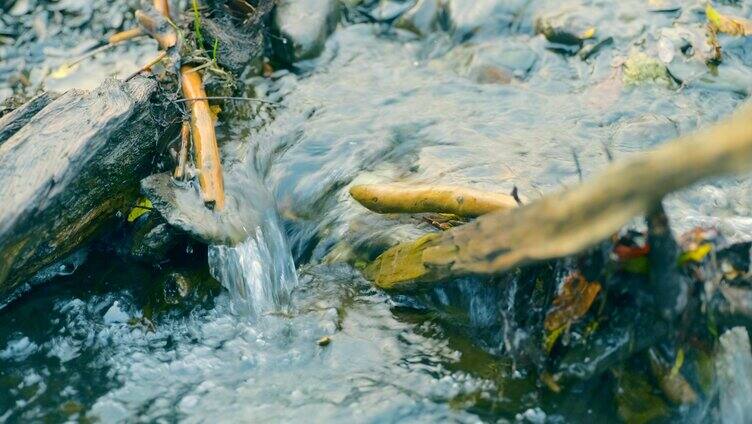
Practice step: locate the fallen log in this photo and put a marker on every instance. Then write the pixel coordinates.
(68, 170)
(460, 201)
(15, 120)
(572, 220)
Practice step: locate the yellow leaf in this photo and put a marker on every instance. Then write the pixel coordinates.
(726, 24)
(696, 255)
(63, 71)
(551, 338)
(678, 363)
(588, 33)
(143, 205)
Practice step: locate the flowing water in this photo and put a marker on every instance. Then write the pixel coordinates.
(378, 105)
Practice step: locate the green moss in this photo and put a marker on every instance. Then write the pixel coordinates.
(640, 68)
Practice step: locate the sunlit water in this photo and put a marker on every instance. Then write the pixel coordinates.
(379, 105)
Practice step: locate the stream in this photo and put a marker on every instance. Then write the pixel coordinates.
(379, 104)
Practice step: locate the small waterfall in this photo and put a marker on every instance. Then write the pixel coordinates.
(259, 273)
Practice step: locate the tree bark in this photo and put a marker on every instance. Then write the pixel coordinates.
(68, 170)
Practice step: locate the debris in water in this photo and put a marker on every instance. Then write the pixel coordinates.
(461, 201)
(727, 24)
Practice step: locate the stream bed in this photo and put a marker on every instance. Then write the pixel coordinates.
(481, 100)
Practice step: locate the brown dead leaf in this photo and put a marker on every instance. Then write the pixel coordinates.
(572, 302)
(727, 24)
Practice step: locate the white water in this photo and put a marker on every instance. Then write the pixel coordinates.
(259, 273)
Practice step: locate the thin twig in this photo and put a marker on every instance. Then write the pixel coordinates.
(247, 99)
(185, 135)
(577, 163)
(148, 66)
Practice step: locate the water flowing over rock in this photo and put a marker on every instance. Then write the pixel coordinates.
(734, 369)
(303, 26)
(259, 272)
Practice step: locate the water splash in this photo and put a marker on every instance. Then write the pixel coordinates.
(259, 273)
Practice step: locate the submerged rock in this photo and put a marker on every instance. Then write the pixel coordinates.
(565, 27)
(640, 68)
(423, 18)
(472, 17)
(388, 11)
(490, 62)
(303, 26)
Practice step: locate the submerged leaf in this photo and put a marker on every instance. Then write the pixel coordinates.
(588, 33)
(551, 337)
(573, 301)
(143, 205)
(635, 400)
(727, 24)
(696, 255)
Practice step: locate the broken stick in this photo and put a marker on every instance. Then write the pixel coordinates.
(460, 201)
(572, 220)
(185, 135)
(204, 140)
(163, 7)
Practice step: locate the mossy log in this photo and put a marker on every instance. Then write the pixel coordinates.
(461, 201)
(68, 169)
(574, 219)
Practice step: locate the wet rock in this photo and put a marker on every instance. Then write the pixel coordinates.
(423, 18)
(176, 287)
(566, 29)
(635, 400)
(735, 78)
(468, 18)
(303, 27)
(694, 58)
(66, 172)
(592, 49)
(629, 333)
(388, 11)
(664, 6)
(154, 241)
(496, 63)
(248, 204)
(734, 370)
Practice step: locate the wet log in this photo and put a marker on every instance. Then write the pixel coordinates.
(68, 170)
(204, 139)
(570, 221)
(15, 120)
(460, 201)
